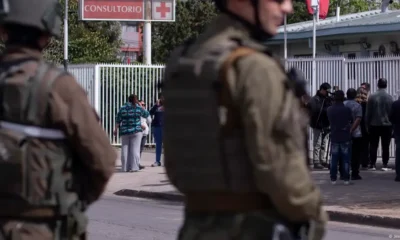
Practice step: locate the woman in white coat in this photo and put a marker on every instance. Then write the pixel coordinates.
(146, 128)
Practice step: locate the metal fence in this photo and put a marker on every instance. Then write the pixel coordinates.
(108, 85)
(350, 73)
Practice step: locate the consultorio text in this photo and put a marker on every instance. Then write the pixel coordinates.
(106, 8)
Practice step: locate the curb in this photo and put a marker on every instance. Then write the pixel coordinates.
(335, 216)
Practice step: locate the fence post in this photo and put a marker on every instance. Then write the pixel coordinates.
(345, 75)
(97, 89)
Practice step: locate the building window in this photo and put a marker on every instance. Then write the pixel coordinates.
(351, 71)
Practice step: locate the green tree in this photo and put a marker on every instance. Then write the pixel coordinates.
(300, 12)
(191, 18)
(89, 42)
(346, 7)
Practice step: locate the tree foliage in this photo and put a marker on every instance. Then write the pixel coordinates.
(191, 18)
(89, 42)
(346, 7)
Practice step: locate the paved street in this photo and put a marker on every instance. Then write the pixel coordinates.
(123, 218)
(374, 195)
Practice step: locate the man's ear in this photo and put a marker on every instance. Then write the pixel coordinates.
(44, 41)
(3, 34)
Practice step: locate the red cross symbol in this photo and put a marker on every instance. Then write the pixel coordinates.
(163, 9)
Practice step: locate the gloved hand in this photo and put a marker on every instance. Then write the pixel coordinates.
(315, 230)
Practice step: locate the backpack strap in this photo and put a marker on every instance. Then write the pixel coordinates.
(30, 106)
(45, 91)
(39, 89)
(8, 70)
(229, 115)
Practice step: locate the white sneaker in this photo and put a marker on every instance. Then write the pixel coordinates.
(346, 182)
(333, 182)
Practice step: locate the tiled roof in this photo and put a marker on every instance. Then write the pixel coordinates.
(369, 18)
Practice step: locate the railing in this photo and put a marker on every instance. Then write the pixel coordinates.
(108, 85)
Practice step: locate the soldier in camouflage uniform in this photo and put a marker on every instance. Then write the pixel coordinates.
(234, 132)
(55, 159)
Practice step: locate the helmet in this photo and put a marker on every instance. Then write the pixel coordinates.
(257, 30)
(44, 15)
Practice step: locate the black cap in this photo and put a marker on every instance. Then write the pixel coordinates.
(325, 86)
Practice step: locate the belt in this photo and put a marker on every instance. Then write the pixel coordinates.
(226, 202)
(34, 131)
(35, 213)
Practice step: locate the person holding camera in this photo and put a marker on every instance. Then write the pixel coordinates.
(319, 123)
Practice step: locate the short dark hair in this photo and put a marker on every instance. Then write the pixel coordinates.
(339, 96)
(325, 86)
(367, 85)
(351, 93)
(382, 83)
(132, 98)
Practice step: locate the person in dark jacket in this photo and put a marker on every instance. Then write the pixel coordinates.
(356, 143)
(395, 119)
(378, 124)
(319, 123)
(362, 97)
(340, 118)
(157, 111)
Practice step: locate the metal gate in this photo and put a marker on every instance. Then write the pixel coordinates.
(108, 85)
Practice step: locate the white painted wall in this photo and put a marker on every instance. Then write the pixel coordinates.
(351, 45)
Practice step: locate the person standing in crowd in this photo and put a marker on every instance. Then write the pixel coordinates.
(367, 87)
(146, 128)
(378, 123)
(157, 111)
(129, 124)
(319, 123)
(340, 119)
(395, 119)
(356, 145)
(362, 97)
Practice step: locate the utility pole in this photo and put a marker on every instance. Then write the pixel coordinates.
(315, 6)
(66, 36)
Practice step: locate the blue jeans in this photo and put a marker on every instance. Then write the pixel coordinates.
(397, 162)
(158, 137)
(340, 152)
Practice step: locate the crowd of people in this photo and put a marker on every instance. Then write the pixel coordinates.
(347, 129)
(133, 123)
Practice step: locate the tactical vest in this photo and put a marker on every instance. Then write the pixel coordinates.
(204, 144)
(36, 178)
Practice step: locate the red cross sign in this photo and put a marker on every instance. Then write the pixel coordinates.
(163, 9)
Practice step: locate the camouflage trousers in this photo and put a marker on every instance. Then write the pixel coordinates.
(242, 226)
(18, 230)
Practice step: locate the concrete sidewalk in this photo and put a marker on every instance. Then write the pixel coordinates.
(375, 200)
